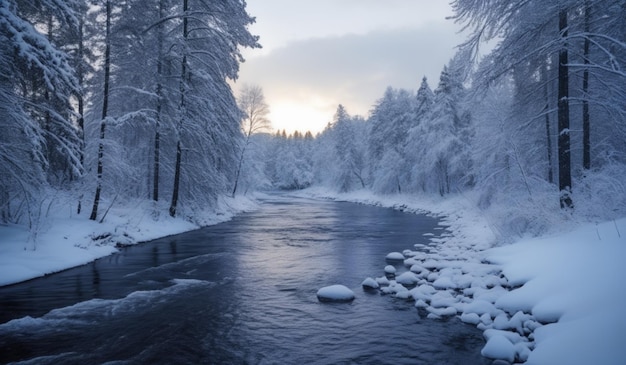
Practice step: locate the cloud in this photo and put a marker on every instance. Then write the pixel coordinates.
(282, 21)
(352, 69)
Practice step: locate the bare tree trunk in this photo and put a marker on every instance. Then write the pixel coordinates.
(157, 152)
(238, 172)
(183, 77)
(358, 175)
(586, 124)
(565, 174)
(105, 106)
(81, 101)
(46, 94)
(241, 157)
(546, 110)
(159, 92)
(176, 181)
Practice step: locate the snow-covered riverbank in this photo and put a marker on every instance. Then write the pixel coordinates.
(550, 300)
(63, 239)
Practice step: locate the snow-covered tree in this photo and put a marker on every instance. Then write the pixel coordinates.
(392, 117)
(289, 162)
(579, 43)
(348, 164)
(172, 126)
(208, 117)
(447, 131)
(38, 141)
(414, 158)
(254, 120)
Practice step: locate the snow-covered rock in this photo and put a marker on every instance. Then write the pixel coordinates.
(500, 348)
(370, 283)
(395, 256)
(561, 295)
(382, 280)
(335, 293)
(442, 311)
(418, 269)
(442, 299)
(481, 307)
(423, 292)
(409, 253)
(395, 288)
(471, 318)
(444, 282)
(407, 278)
(390, 269)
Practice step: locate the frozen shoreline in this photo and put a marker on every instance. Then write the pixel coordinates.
(65, 240)
(545, 300)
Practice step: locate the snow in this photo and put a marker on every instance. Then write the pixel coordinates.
(543, 300)
(444, 283)
(471, 318)
(576, 280)
(370, 283)
(407, 278)
(382, 280)
(335, 293)
(67, 240)
(82, 314)
(481, 307)
(499, 347)
(395, 256)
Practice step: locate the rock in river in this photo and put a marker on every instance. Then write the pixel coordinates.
(335, 293)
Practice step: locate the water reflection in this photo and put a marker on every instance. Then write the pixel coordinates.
(173, 248)
(95, 280)
(239, 292)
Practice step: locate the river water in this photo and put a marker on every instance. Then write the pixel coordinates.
(241, 292)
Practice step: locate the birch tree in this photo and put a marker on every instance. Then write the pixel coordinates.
(254, 120)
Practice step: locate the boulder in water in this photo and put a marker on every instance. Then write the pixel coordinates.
(335, 293)
(395, 256)
(370, 283)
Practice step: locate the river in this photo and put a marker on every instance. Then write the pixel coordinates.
(241, 292)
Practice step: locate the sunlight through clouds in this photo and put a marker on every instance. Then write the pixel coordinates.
(319, 54)
(292, 115)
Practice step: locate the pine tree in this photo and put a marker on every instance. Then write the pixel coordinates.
(36, 84)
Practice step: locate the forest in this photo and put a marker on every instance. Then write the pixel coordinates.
(107, 103)
(532, 132)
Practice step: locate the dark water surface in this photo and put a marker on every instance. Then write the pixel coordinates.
(241, 292)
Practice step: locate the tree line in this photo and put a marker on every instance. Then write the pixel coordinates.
(535, 128)
(104, 101)
(130, 99)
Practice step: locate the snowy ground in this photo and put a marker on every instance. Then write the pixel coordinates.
(63, 240)
(548, 300)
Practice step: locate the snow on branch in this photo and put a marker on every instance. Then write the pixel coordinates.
(38, 52)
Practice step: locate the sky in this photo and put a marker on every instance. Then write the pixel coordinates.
(318, 54)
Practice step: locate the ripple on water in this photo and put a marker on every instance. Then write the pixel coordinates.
(246, 293)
